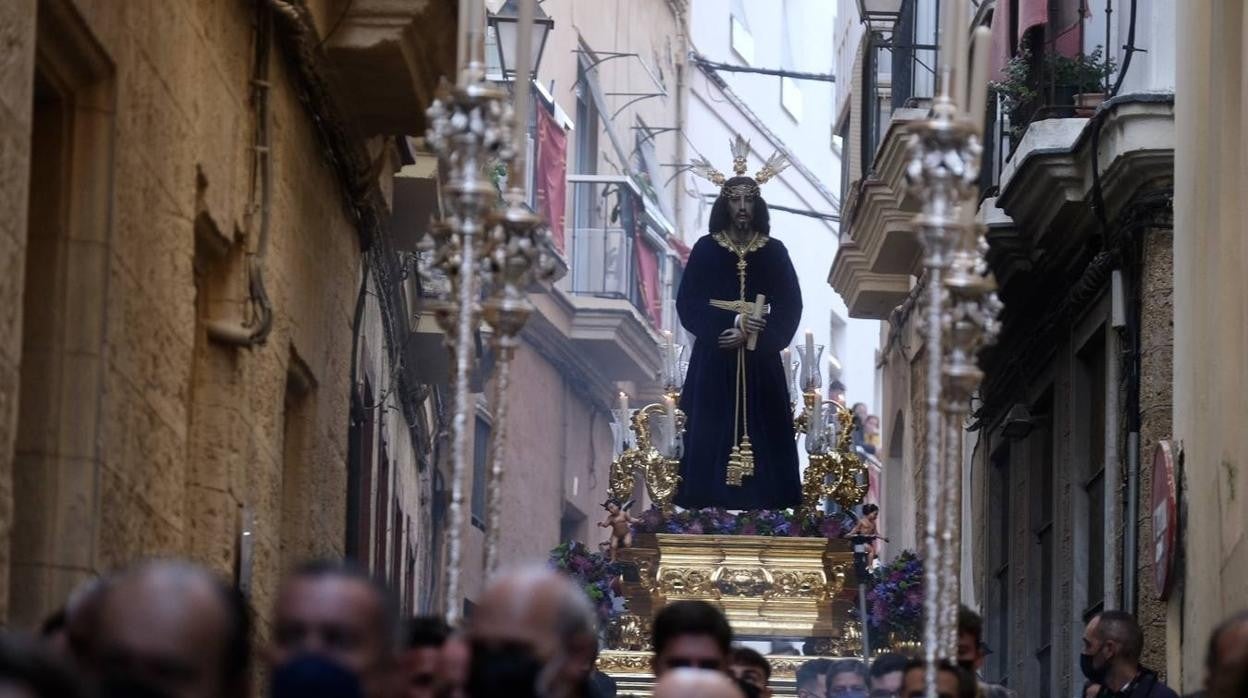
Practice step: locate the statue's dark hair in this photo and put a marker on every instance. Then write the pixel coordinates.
(721, 220)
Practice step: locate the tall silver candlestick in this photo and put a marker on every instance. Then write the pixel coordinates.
(468, 130)
(959, 311)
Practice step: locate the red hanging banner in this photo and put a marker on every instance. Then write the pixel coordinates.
(552, 170)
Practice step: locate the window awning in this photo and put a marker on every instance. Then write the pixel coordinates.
(1008, 31)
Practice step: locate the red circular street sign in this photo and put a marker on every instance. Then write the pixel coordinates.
(1165, 520)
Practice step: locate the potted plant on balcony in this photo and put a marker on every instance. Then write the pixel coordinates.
(1017, 92)
(1081, 79)
(1078, 85)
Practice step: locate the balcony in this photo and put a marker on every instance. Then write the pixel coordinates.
(617, 294)
(387, 57)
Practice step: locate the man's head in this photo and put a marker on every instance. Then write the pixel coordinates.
(334, 611)
(690, 634)
(812, 678)
(685, 682)
(420, 657)
(740, 205)
(951, 681)
(30, 669)
(887, 671)
(847, 677)
(970, 640)
(1227, 656)
(82, 618)
(836, 392)
(533, 632)
(752, 668)
(1111, 638)
(174, 628)
(860, 411)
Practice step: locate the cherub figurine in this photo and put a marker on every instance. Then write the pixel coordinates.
(619, 521)
(864, 534)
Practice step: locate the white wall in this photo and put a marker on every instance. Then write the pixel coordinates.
(712, 120)
(1153, 68)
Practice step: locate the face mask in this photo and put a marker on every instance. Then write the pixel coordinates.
(1090, 671)
(510, 672)
(127, 687)
(314, 676)
(967, 665)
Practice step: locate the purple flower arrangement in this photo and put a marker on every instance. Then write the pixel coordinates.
(595, 573)
(765, 522)
(895, 599)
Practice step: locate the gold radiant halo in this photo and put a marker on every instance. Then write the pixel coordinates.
(740, 148)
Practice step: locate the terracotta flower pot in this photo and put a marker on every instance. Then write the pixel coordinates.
(1087, 102)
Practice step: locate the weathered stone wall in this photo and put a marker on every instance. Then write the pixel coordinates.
(192, 433)
(17, 36)
(1156, 398)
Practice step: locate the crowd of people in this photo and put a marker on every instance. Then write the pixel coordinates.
(171, 629)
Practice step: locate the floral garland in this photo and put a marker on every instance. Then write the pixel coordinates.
(596, 574)
(766, 522)
(895, 599)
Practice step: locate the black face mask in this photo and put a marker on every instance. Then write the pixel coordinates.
(511, 672)
(967, 665)
(117, 686)
(313, 676)
(1089, 669)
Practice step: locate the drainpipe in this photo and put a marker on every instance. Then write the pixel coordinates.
(255, 330)
(1131, 528)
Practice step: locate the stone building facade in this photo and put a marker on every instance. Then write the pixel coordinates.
(1209, 384)
(1077, 390)
(193, 195)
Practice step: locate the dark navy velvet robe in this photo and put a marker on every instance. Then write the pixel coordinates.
(710, 385)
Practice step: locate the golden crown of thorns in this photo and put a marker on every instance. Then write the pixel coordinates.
(740, 149)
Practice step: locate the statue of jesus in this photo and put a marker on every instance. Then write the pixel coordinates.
(740, 299)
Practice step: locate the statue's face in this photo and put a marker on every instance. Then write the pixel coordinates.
(741, 208)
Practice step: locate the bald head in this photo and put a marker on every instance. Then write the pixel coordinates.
(696, 683)
(175, 627)
(535, 605)
(1228, 653)
(539, 615)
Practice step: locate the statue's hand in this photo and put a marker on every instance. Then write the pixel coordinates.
(754, 325)
(731, 339)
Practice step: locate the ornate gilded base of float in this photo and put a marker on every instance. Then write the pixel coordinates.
(769, 587)
(631, 671)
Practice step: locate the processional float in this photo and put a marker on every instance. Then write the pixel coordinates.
(491, 253)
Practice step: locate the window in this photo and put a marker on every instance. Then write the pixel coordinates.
(382, 515)
(791, 98)
(742, 40)
(363, 432)
(1091, 387)
(1041, 451)
(842, 134)
(790, 90)
(585, 196)
(480, 459)
(999, 564)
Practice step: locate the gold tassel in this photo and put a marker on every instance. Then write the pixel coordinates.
(747, 457)
(736, 468)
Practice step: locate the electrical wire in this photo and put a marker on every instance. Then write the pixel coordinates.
(337, 23)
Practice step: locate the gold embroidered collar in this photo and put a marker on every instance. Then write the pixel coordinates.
(755, 243)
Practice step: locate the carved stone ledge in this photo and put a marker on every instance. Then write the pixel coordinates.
(387, 58)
